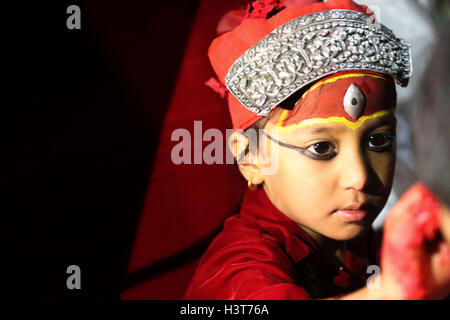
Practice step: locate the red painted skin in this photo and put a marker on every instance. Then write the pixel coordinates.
(412, 224)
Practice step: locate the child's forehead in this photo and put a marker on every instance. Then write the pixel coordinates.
(335, 127)
(348, 98)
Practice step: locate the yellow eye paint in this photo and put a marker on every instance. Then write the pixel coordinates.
(309, 122)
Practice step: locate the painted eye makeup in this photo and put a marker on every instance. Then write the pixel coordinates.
(322, 150)
(381, 141)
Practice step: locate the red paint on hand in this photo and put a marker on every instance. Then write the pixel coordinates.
(405, 258)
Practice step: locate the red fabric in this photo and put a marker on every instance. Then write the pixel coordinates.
(216, 86)
(254, 256)
(342, 279)
(185, 203)
(241, 117)
(246, 261)
(228, 47)
(258, 9)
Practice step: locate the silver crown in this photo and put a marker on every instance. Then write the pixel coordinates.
(310, 47)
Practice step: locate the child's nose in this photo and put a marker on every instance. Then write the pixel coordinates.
(354, 170)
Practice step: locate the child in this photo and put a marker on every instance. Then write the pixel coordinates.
(320, 92)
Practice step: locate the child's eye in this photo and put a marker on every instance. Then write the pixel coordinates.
(321, 151)
(380, 141)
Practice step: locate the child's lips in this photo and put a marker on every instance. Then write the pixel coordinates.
(351, 214)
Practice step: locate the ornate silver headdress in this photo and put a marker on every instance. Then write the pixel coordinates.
(310, 47)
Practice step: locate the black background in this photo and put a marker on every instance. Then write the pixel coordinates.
(82, 111)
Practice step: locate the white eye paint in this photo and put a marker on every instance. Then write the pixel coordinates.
(354, 101)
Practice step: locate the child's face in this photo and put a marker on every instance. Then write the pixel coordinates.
(339, 186)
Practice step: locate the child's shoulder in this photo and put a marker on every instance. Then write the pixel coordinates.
(251, 254)
(239, 231)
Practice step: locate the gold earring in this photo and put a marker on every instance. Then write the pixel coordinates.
(252, 186)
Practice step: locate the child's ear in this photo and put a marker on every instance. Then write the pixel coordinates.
(247, 160)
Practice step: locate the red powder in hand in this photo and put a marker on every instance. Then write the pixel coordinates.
(413, 221)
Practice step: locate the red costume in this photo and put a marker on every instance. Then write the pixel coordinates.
(262, 254)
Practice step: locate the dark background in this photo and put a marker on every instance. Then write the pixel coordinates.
(82, 111)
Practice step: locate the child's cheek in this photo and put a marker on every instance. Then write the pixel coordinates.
(383, 165)
(303, 182)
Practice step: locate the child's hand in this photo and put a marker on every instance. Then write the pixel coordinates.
(415, 263)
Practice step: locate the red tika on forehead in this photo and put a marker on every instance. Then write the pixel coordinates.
(325, 99)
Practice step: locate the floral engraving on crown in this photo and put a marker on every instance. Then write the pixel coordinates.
(311, 47)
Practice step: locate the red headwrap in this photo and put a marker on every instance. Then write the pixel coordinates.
(228, 47)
